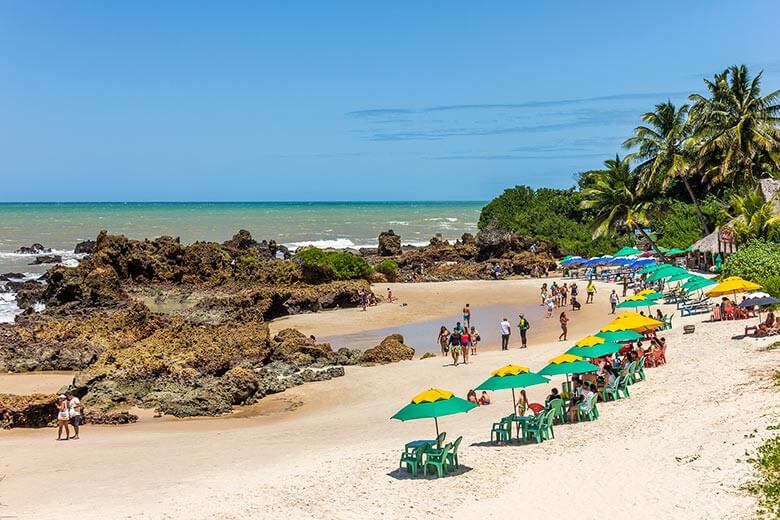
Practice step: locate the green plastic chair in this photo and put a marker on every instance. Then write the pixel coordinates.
(437, 459)
(413, 460)
(623, 387)
(538, 428)
(558, 411)
(640, 369)
(452, 457)
(630, 373)
(502, 430)
(590, 414)
(440, 439)
(668, 321)
(611, 391)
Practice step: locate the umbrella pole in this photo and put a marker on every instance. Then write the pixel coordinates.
(436, 422)
(514, 401)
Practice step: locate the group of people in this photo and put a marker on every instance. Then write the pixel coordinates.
(462, 341)
(558, 296)
(482, 400)
(68, 414)
(506, 331)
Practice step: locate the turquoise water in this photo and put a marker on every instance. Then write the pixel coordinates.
(327, 224)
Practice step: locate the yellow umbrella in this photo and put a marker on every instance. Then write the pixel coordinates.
(564, 358)
(590, 341)
(510, 370)
(732, 285)
(632, 321)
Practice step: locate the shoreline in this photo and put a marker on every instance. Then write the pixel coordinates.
(319, 459)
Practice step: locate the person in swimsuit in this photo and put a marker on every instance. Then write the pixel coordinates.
(465, 343)
(564, 326)
(475, 339)
(444, 339)
(467, 315)
(63, 418)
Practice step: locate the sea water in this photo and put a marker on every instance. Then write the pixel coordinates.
(60, 226)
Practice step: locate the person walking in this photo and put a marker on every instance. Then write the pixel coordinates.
(467, 315)
(63, 418)
(564, 326)
(625, 284)
(613, 300)
(523, 325)
(506, 330)
(74, 410)
(444, 340)
(591, 290)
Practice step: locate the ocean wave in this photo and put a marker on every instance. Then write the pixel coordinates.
(69, 258)
(398, 222)
(335, 243)
(8, 307)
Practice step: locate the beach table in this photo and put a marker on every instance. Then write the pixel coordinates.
(521, 421)
(416, 444)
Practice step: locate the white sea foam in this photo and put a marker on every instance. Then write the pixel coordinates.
(451, 219)
(335, 243)
(398, 222)
(8, 307)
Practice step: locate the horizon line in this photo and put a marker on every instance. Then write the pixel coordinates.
(376, 201)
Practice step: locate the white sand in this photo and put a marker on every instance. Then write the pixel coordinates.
(675, 449)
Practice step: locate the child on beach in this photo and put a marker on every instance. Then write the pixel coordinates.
(475, 339)
(389, 295)
(550, 306)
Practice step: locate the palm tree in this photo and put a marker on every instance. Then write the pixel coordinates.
(753, 217)
(614, 196)
(735, 129)
(662, 154)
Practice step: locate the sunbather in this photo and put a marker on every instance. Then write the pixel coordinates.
(472, 397)
(484, 399)
(768, 326)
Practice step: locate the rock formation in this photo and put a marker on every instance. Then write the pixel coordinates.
(389, 244)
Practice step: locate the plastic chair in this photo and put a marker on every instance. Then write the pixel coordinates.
(622, 386)
(537, 428)
(440, 439)
(412, 460)
(452, 457)
(587, 410)
(630, 375)
(437, 459)
(558, 411)
(640, 369)
(611, 391)
(502, 430)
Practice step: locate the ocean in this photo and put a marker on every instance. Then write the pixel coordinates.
(60, 226)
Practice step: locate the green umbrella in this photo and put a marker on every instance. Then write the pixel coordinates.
(653, 268)
(680, 276)
(620, 335)
(433, 403)
(675, 252)
(665, 273)
(633, 304)
(628, 251)
(696, 284)
(596, 351)
(511, 377)
(566, 364)
(566, 258)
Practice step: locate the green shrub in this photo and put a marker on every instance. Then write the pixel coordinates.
(771, 285)
(332, 265)
(246, 261)
(678, 225)
(767, 463)
(388, 268)
(758, 261)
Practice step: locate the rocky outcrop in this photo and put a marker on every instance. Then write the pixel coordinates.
(389, 244)
(84, 248)
(428, 355)
(34, 249)
(27, 293)
(46, 259)
(390, 350)
(27, 411)
(292, 346)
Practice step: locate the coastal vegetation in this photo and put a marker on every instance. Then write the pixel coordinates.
(758, 261)
(332, 265)
(687, 170)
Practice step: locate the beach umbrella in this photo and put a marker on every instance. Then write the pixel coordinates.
(732, 285)
(566, 258)
(759, 301)
(632, 321)
(566, 364)
(628, 251)
(660, 274)
(511, 377)
(652, 268)
(647, 294)
(596, 351)
(589, 341)
(633, 304)
(696, 283)
(642, 262)
(620, 335)
(680, 276)
(676, 252)
(432, 404)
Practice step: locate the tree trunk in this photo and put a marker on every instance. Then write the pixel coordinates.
(650, 241)
(702, 220)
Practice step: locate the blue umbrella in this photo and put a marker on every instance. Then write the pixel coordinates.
(761, 301)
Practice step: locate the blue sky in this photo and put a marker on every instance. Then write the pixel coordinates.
(344, 100)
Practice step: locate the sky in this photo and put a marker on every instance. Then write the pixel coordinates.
(435, 100)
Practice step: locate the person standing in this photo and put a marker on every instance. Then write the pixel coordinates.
(625, 284)
(467, 315)
(444, 340)
(523, 325)
(506, 330)
(74, 410)
(613, 300)
(564, 326)
(543, 293)
(591, 290)
(363, 297)
(63, 418)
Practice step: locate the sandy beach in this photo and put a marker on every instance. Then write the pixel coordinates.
(675, 449)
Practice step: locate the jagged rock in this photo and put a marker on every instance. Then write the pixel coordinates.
(27, 411)
(27, 293)
(84, 248)
(292, 346)
(108, 418)
(46, 259)
(34, 249)
(6, 277)
(390, 350)
(389, 244)
(347, 356)
(428, 355)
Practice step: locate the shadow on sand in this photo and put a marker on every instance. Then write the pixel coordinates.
(402, 474)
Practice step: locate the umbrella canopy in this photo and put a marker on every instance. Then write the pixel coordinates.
(697, 282)
(761, 301)
(567, 364)
(633, 304)
(433, 403)
(632, 321)
(732, 285)
(566, 258)
(653, 268)
(589, 341)
(680, 276)
(596, 351)
(647, 294)
(641, 262)
(511, 377)
(676, 252)
(660, 274)
(628, 251)
(620, 335)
